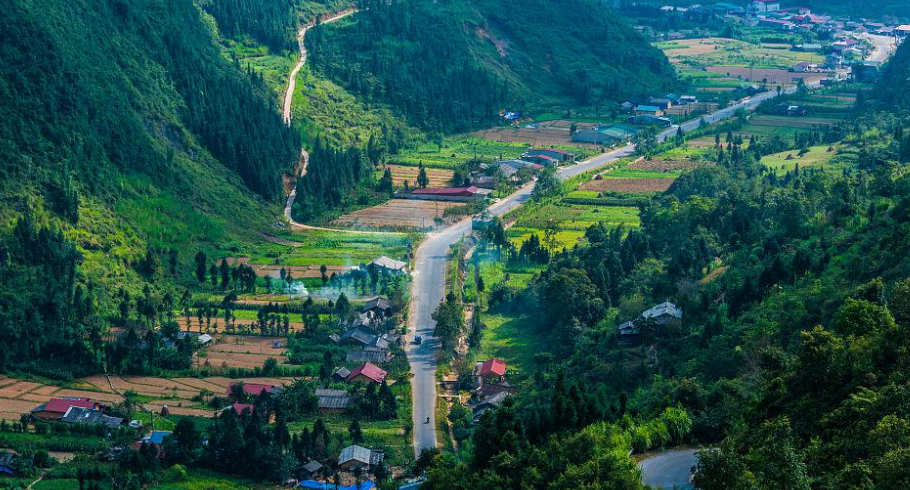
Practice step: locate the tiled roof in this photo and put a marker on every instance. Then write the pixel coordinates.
(493, 366)
(369, 370)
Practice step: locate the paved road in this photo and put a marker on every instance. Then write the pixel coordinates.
(884, 47)
(669, 469)
(428, 286)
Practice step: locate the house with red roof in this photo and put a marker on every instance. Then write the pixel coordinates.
(252, 389)
(560, 155)
(489, 371)
(56, 408)
(367, 373)
(460, 194)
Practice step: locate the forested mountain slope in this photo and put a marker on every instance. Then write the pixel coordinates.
(452, 65)
(126, 139)
(793, 357)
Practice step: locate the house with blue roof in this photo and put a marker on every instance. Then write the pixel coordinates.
(648, 110)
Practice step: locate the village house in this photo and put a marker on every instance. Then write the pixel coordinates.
(648, 120)
(390, 265)
(661, 103)
(252, 390)
(804, 67)
(594, 137)
(488, 403)
(479, 179)
(663, 316)
(353, 457)
(489, 371)
(56, 408)
(648, 110)
(519, 164)
(332, 401)
(155, 439)
(341, 375)
(91, 417)
(560, 155)
(367, 373)
(376, 355)
(452, 194)
(544, 160)
(762, 7)
(310, 469)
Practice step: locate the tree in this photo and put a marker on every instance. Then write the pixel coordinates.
(225, 271)
(355, 432)
(386, 184)
(201, 266)
(548, 185)
(422, 180)
(722, 469)
(461, 419)
(646, 142)
(449, 318)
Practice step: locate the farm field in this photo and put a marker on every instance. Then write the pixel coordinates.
(438, 177)
(19, 396)
(732, 52)
(314, 248)
(193, 324)
(459, 149)
(787, 161)
(776, 76)
(569, 221)
(246, 351)
(771, 125)
(399, 214)
(628, 185)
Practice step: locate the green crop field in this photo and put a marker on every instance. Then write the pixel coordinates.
(817, 156)
(456, 150)
(734, 52)
(322, 247)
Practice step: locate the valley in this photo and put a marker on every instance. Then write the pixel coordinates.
(448, 245)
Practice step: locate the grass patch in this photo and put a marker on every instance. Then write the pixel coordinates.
(817, 155)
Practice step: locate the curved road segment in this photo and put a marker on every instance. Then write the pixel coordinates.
(429, 275)
(669, 469)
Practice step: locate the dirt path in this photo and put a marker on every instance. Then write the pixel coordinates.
(292, 82)
(304, 155)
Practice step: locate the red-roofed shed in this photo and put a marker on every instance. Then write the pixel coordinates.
(493, 366)
(367, 373)
(57, 407)
(252, 389)
(449, 191)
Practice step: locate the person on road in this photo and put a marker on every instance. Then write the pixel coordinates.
(428, 420)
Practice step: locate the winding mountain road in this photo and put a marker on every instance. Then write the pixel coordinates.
(304, 155)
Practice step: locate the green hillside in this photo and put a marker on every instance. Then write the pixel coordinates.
(453, 65)
(128, 142)
(790, 360)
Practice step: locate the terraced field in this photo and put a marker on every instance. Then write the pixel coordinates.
(438, 177)
(18, 396)
(398, 214)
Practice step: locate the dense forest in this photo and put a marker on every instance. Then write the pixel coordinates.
(452, 66)
(792, 358)
(126, 138)
(272, 23)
